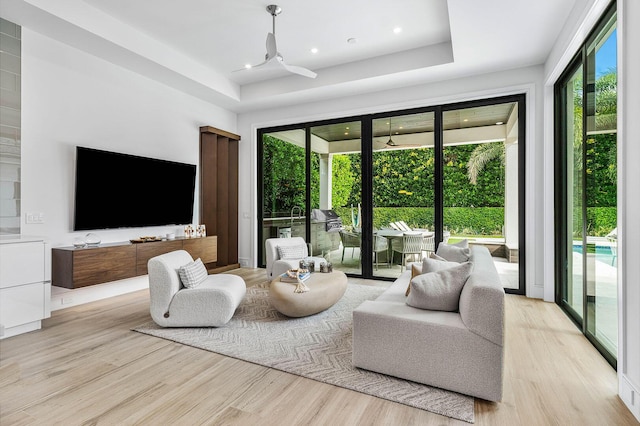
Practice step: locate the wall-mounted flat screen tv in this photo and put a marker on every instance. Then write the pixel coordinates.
(115, 190)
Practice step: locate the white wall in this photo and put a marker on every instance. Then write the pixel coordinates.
(71, 98)
(629, 203)
(525, 80)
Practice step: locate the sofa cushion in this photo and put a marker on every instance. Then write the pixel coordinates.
(416, 270)
(193, 273)
(297, 251)
(440, 290)
(428, 265)
(435, 265)
(458, 252)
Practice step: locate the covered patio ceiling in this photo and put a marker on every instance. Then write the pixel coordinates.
(475, 125)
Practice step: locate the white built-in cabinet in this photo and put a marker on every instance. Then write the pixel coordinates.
(25, 284)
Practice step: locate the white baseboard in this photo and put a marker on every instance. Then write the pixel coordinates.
(629, 395)
(245, 262)
(62, 298)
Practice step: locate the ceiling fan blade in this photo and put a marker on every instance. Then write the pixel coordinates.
(298, 70)
(272, 49)
(253, 66)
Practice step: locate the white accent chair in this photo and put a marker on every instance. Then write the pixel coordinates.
(211, 303)
(277, 266)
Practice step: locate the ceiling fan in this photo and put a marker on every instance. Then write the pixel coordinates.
(388, 144)
(273, 55)
(391, 144)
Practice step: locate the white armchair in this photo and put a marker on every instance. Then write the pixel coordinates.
(211, 303)
(276, 265)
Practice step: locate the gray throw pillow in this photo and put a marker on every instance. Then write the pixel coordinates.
(297, 251)
(434, 265)
(193, 273)
(453, 253)
(439, 291)
(462, 243)
(436, 257)
(429, 265)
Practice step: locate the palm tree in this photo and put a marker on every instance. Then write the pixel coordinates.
(480, 156)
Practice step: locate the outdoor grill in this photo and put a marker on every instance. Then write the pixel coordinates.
(332, 221)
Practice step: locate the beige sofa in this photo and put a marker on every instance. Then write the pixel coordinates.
(459, 351)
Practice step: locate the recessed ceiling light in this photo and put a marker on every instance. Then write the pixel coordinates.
(346, 133)
(352, 40)
(397, 30)
(247, 66)
(314, 50)
(466, 119)
(499, 123)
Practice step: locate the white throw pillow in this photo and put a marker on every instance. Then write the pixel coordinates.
(429, 265)
(439, 291)
(435, 265)
(462, 243)
(454, 252)
(193, 273)
(436, 257)
(297, 251)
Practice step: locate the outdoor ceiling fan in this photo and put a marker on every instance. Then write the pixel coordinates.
(391, 144)
(273, 55)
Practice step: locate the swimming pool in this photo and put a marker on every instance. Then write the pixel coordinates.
(603, 253)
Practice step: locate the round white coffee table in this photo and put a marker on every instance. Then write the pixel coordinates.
(325, 289)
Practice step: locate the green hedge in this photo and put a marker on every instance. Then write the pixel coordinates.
(601, 220)
(458, 220)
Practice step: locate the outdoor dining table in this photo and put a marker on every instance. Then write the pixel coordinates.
(391, 234)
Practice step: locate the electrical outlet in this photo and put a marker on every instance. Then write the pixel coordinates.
(34, 217)
(66, 300)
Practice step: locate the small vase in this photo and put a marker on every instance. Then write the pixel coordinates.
(92, 239)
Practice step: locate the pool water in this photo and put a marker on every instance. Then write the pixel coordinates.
(603, 253)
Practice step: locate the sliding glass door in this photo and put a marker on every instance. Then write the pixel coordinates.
(368, 193)
(586, 188)
(480, 176)
(403, 190)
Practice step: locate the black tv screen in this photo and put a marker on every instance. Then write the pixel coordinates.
(116, 190)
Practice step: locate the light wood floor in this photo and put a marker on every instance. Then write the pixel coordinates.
(86, 366)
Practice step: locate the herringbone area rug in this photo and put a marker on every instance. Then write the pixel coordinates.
(317, 347)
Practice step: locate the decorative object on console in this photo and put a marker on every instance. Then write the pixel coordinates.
(92, 240)
(201, 231)
(189, 231)
(79, 243)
